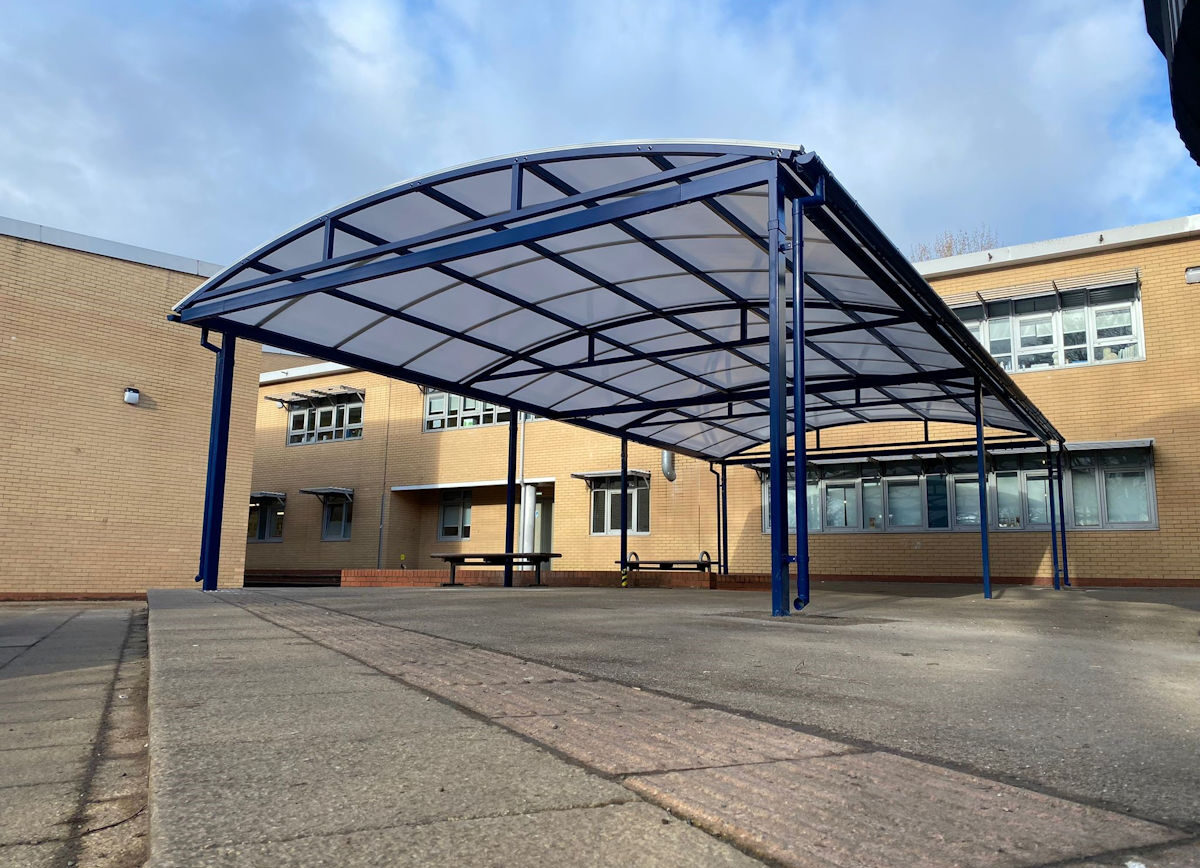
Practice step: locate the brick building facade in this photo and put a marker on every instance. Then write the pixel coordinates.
(103, 497)
(1096, 329)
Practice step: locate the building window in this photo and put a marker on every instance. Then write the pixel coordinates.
(454, 517)
(606, 505)
(1113, 489)
(320, 423)
(336, 515)
(444, 411)
(266, 520)
(1106, 489)
(1073, 327)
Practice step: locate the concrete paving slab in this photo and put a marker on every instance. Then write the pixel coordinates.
(313, 716)
(541, 699)
(45, 765)
(30, 711)
(309, 786)
(1088, 693)
(1181, 856)
(669, 738)
(16, 736)
(882, 810)
(31, 855)
(634, 835)
(36, 813)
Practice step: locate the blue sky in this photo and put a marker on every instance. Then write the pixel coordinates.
(208, 128)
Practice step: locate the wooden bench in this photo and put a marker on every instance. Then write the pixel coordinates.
(702, 563)
(537, 560)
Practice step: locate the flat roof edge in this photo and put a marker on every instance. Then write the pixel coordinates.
(1054, 248)
(104, 247)
(302, 372)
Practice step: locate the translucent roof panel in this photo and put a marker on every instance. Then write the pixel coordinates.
(620, 287)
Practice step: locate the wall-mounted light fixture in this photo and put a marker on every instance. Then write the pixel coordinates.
(1192, 275)
(132, 395)
(280, 404)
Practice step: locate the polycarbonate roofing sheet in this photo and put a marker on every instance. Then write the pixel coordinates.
(621, 287)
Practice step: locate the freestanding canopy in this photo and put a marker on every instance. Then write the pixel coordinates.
(640, 289)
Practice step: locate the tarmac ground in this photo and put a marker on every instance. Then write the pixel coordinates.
(885, 725)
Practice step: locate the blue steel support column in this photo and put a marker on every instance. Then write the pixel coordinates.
(798, 405)
(510, 502)
(725, 516)
(717, 505)
(983, 493)
(624, 508)
(780, 580)
(1063, 471)
(218, 453)
(1053, 509)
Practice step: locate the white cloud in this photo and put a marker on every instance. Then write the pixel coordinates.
(207, 131)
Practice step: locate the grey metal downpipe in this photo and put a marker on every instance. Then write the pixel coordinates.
(668, 465)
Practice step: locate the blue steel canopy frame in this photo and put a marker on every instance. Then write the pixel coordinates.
(621, 288)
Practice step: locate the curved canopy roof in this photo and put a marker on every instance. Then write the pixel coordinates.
(622, 287)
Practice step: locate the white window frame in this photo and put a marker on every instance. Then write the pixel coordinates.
(459, 412)
(312, 430)
(612, 518)
(459, 499)
(342, 533)
(981, 330)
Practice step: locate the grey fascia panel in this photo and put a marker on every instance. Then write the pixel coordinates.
(480, 483)
(104, 247)
(609, 474)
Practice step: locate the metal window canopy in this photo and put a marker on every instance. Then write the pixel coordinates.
(319, 396)
(327, 492)
(260, 496)
(620, 287)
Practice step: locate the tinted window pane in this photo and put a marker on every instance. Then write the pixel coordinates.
(1008, 500)
(1127, 494)
(642, 497)
(1037, 499)
(966, 502)
(904, 504)
(1036, 332)
(598, 501)
(937, 502)
(1114, 323)
(841, 506)
(872, 494)
(1086, 498)
(275, 524)
(252, 526)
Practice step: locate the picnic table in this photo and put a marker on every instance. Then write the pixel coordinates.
(537, 560)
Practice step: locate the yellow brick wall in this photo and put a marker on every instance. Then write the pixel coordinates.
(1157, 398)
(415, 457)
(101, 496)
